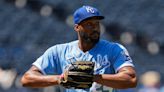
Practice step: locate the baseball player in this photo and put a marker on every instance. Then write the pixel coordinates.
(113, 67)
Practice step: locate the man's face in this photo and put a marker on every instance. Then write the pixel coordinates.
(90, 30)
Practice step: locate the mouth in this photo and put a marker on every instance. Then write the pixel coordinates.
(95, 35)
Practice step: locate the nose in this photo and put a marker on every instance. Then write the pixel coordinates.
(95, 27)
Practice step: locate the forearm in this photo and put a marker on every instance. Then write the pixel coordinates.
(33, 80)
(119, 81)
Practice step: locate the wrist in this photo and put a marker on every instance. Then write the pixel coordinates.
(96, 78)
(58, 79)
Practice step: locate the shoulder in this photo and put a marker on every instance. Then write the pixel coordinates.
(120, 47)
(109, 44)
(66, 45)
(61, 47)
(112, 46)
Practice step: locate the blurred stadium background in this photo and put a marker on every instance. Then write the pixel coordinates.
(29, 27)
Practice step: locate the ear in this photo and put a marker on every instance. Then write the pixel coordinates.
(76, 27)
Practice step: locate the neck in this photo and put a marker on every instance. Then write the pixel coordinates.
(85, 46)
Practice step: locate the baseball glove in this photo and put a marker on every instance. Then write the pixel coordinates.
(78, 75)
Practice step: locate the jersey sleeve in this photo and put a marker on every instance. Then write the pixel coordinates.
(47, 62)
(121, 57)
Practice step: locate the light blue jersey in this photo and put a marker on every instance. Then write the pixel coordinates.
(108, 57)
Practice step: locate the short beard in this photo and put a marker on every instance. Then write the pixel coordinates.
(88, 39)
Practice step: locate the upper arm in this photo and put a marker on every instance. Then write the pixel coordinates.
(121, 58)
(47, 63)
(34, 69)
(32, 72)
(128, 73)
(128, 70)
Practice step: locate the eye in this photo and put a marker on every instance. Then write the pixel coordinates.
(97, 22)
(88, 24)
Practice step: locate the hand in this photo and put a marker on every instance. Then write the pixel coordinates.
(79, 75)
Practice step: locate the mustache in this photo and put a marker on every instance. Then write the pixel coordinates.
(90, 37)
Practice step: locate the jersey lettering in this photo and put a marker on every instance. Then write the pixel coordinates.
(101, 64)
